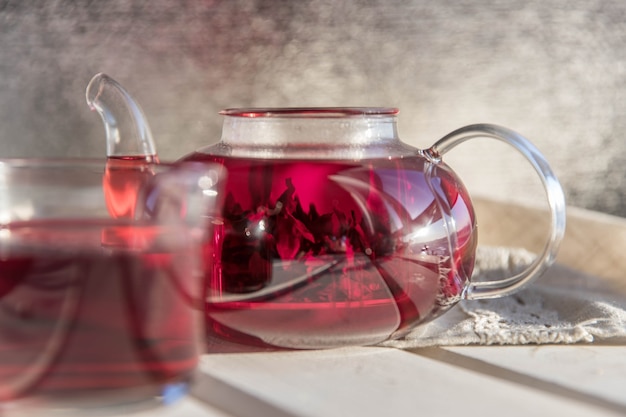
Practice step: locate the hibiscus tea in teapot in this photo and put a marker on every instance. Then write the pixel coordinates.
(319, 245)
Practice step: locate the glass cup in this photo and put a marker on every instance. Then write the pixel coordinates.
(100, 273)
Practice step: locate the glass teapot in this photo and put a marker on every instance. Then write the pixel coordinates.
(333, 231)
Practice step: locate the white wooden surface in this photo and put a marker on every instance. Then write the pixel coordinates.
(581, 380)
(592, 373)
(388, 382)
(187, 407)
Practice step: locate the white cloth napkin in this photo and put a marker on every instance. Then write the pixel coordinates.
(562, 306)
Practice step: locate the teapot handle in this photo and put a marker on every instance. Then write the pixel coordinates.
(554, 194)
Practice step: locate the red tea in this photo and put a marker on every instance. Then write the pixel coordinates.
(94, 309)
(321, 253)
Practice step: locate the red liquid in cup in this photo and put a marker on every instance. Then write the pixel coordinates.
(322, 253)
(88, 309)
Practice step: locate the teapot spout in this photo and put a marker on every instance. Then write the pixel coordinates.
(127, 132)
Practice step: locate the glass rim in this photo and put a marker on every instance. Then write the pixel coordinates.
(309, 112)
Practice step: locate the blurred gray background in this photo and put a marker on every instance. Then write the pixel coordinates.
(554, 71)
